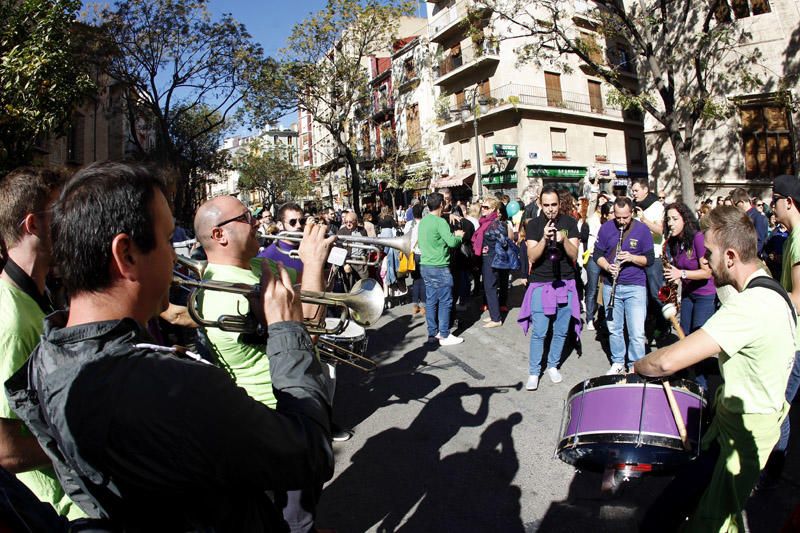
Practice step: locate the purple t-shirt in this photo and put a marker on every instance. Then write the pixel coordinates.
(272, 252)
(638, 241)
(690, 260)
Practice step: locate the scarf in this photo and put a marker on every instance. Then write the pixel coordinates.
(483, 225)
(649, 200)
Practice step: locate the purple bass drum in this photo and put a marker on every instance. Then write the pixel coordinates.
(622, 422)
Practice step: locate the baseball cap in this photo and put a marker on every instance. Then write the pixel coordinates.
(788, 186)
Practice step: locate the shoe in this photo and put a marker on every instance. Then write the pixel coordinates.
(450, 340)
(414, 310)
(553, 374)
(484, 307)
(487, 319)
(492, 324)
(422, 310)
(533, 383)
(341, 435)
(590, 325)
(616, 368)
(504, 309)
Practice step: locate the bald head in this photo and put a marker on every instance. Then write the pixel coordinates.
(208, 216)
(227, 231)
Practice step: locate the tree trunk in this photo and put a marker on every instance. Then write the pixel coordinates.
(684, 163)
(355, 179)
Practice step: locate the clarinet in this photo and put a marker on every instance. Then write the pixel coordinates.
(610, 305)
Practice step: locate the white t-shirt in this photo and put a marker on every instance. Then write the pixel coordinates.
(655, 213)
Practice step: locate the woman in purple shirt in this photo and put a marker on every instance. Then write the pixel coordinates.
(688, 267)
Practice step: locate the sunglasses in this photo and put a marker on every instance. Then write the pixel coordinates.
(776, 198)
(485, 207)
(662, 197)
(296, 222)
(246, 217)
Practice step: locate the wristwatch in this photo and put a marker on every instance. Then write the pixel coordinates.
(683, 274)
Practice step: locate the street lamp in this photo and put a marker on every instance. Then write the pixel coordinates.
(465, 111)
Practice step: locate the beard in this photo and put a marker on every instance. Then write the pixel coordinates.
(721, 275)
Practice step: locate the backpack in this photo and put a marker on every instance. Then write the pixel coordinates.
(506, 254)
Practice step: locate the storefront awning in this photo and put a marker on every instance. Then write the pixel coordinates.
(500, 178)
(461, 178)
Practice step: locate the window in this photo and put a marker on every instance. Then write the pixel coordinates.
(595, 97)
(558, 141)
(459, 99)
(410, 71)
(766, 140)
(552, 84)
(484, 89)
(588, 42)
(466, 160)
(727, 9)
(412, 127)
(600, 147)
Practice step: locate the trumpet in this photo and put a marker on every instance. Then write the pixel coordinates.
(363, 304)
(370, 245)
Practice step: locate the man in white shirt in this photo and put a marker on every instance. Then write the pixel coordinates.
(650, 211)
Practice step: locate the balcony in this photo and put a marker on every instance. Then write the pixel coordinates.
(515, 97)
(472, 58)
(383, 106)
(447, 24)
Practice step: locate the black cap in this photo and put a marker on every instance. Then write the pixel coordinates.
(788, 186)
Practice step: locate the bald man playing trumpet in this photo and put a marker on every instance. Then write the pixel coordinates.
(227, 230)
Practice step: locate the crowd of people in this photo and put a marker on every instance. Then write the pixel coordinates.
(112, 429)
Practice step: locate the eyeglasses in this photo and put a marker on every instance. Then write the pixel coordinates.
(300, 222)
(246, 217)
(485, 207)
(759, 204)
(662, 197)
(776, 197)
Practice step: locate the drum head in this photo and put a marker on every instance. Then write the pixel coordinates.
(623, 379)
(351, 332)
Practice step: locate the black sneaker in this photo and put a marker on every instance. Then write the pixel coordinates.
(341, 435)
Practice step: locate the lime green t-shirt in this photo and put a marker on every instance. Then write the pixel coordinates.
(435, 241)
(247, 364)
(755, 331)
(791, 256)
(21, 326)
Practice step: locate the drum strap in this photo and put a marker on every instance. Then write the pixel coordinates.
(766, 282)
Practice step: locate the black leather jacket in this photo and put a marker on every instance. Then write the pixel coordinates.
(153, 442)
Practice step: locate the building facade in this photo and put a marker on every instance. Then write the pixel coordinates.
(506, 126)
(758, 140)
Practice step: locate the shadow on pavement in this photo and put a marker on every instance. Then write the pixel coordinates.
(398, 475)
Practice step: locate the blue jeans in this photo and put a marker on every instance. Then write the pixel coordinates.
(438, 298)
(541, 323)
(695, 310)
(592, 278)
(495, 287)
(630, 308)
(791, 392)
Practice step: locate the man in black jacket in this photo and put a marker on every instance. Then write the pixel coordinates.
(138, 436)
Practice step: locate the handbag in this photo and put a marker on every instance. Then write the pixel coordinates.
(506, 255)
(407, 263)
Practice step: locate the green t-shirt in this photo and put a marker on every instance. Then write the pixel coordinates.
(435, 241)
(247, 364)
(791, 256)
(21, 326)
(754, 329)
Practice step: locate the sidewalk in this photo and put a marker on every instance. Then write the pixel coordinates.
(445, 440)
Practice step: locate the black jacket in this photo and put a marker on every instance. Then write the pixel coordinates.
(155, 442)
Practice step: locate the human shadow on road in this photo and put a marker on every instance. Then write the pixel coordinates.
(397, 468)
(473, 490)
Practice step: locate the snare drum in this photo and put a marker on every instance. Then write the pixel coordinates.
(623, 422)
(353, 337)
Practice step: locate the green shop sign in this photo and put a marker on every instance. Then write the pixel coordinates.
(541, 171)
(504, 150)
(499, 178)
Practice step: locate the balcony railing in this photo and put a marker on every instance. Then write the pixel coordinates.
(446, 24)
(468, 54)
(517, 94)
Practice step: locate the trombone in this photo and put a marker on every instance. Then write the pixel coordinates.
(370, 245)
(363, 304)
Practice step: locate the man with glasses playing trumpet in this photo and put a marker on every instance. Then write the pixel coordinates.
(142, 438)
(290, 218)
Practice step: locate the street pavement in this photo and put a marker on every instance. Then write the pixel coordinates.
(447, 439)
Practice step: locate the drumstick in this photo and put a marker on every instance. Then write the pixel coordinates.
(670, 313)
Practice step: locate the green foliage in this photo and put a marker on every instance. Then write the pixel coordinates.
(177, 61)
(268, 170)
(43, 73)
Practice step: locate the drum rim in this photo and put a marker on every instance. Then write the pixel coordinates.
(670, 436)
(678, 387)
(620, 438)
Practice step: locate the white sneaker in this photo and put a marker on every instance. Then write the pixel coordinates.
(533, 383)
(590, 325)
(553, 374)
(616, 368)
(450, 340)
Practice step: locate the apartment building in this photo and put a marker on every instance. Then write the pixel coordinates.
(759, 139)
(227, 183)
(506, 126)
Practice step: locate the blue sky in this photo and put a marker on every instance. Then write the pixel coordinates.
(271, 21)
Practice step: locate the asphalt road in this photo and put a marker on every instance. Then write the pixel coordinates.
(447, 439)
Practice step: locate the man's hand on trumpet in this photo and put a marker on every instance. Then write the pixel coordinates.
(278, 301)
(314, 250)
